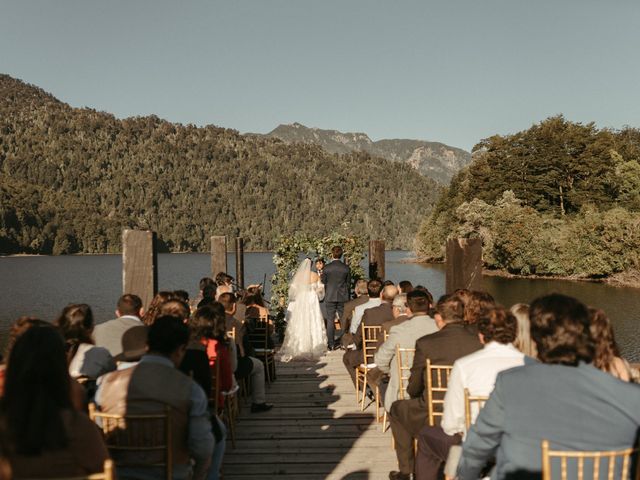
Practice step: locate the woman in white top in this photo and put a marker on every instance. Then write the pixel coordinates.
(84, 358)
(305, 337)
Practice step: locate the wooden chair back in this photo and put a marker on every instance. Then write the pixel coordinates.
(610, 464)
(106, 474)
(215, 386)
(471, 401)
(137, 434)
(369, 342)
(436, 381)
(404, 360)
(232, 334)
(259, 332)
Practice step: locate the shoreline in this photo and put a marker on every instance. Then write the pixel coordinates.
(628, 279)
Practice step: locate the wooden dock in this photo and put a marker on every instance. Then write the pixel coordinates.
(315, 430)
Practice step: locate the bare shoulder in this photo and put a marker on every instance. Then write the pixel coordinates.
(314, 277)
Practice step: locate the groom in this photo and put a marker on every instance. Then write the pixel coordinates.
(336, 277)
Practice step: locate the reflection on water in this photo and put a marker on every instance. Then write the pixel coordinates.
(41, 286)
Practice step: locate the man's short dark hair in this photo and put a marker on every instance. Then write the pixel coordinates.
(129, 304)
(227, 300)
(336, 252)
(167, 334)
(386, 283)
(406, 286)
(209, 292)
(223, 278)
(418, 302)
(450, 308)
(420, 288)
(206, 281)
(560, 327)
(498, 325)
(374, 287)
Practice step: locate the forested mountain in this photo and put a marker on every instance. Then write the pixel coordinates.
(432, 159)
(560, 198)
(71, 179)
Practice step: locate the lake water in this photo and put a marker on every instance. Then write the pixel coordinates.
(41, 286)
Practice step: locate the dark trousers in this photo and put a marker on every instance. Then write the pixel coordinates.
(407, 417)
(433, 449)
(351, 359)
(332, 308)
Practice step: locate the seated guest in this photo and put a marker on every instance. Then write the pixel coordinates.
(399, 315)
(404, 335)
(134, 346)
(374, 316)
(405, 286)
(477, 304)
(208, 296)
(349, 307)
(85, 359)
(374, 288)
(563, 399)
(153, 311)
(204, 283)
(246, 364)
(477, 373)
(241, 308)
(21, 325)
(154, 383)
(208, 345)
(607, 355)
(523, 341)
(128, 313)
(46, 436)
(452, 341)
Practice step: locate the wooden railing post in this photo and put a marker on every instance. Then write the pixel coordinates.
(218, 255)
(140, 264)
(240, 262)
(464, 264)
(376, 259)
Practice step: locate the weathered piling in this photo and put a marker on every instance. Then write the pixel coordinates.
(240, 262)
(140, 264)
(218, 255)
(376, 259)
(464, 264)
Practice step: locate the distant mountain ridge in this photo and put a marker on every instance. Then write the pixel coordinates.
(72, 178)
(432, 159)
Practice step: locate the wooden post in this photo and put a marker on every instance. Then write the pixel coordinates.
(376, 259)
(140, 264)
(240, 262)
(218, 255)
(464, 264)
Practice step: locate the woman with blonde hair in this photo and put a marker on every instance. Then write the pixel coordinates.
(523, 341)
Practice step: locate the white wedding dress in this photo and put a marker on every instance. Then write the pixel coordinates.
(305, 337)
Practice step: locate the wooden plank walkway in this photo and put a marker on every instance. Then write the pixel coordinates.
(315, 430)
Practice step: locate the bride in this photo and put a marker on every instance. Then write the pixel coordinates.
(305, 337)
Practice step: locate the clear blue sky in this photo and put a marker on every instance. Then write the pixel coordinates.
(453, 71)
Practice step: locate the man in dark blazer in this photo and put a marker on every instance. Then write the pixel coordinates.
(345, 321)
(372, 317)
(336, 277)
(452, 341)
(562, 398)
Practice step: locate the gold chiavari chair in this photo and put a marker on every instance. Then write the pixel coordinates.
(106, 474)
(469, 402)
(436, 380)
(259, 337)
(616, 465)
(127, 434)
(369, 345)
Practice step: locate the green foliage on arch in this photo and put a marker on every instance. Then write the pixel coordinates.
(286, 259)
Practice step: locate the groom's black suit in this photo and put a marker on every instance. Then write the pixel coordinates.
(336, 277)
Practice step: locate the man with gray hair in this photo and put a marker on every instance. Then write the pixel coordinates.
(362, 297)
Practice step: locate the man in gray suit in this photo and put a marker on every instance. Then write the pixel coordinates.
(336, 277)
(404, 335)
(109, 334)
(563, 399)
